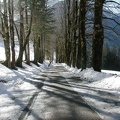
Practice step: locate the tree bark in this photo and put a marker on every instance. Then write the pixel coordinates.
(79, 41)
(98, 36)
(11, 21)
(74, 31)
(67, 5)
(82, 33)
(36, 50)
(27, 50)
(5, 30)
(24, 41)
(20, 57)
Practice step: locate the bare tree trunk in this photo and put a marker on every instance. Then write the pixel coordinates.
(6, 35)
(27, 50)
(74, 30)
(82, 33)
(65, 35)
(24, 41)
(68, 32)
(36, 50)
(79, 41)
(41, 49)
(98, 36)
(21, 39)
(41, 58)
(11, 21)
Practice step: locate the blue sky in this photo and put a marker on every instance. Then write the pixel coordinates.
(51, 2)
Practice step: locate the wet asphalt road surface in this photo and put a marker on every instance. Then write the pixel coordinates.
(56, 99)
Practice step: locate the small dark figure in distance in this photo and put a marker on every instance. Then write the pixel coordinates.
(50, 63)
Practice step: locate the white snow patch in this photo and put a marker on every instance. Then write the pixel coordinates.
(100, 90)
(16, 93)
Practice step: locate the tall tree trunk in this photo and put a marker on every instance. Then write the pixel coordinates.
(65, 35)
(36, 50)
(68, 32)
(98, 36)
(20, 57)
(82, 33)
(74, 28)
(41, 49)
(11, 21)
(24, 41)
(6, 35)
(27, 50)
(79, 41)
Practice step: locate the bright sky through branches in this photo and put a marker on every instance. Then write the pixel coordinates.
(52, 2)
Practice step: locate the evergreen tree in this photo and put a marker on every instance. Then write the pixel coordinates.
(110, 58)
(42, 20)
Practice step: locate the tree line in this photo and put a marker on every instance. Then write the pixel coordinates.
(111, 57)
(80, 33)
(83, 26)
(29, 20)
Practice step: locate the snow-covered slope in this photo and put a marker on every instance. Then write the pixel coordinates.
(112, 31)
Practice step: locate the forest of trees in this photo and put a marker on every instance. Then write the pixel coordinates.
(29, 20)
(111, 58)
(79, 40)
(85, 34)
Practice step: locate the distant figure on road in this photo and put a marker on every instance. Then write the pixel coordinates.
(50, 63)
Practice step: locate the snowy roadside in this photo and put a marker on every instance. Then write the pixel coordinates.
(16, 92)
(100, 90)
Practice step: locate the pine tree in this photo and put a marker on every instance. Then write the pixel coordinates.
(42, 19)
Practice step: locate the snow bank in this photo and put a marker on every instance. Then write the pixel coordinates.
(106, 79)
(100, 90)
(18, 89)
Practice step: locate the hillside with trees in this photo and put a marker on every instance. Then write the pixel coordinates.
(110, 22)
(77, 32)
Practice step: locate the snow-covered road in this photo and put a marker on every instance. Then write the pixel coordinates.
(58, 101)
(34, 93)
